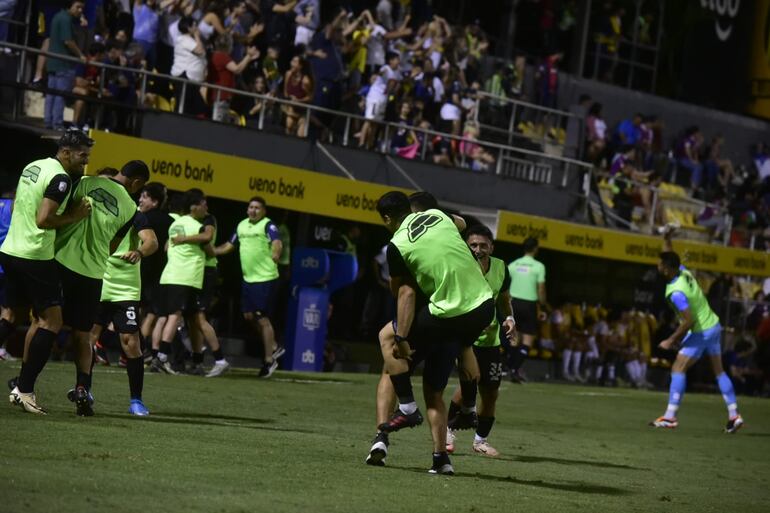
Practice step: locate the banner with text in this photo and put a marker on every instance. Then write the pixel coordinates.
(616, 245)
(239, 179)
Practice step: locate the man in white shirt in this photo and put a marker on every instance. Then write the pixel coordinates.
(383, 85)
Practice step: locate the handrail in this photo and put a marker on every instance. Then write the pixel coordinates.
(529, 105)
(12, 21)
(266, 98)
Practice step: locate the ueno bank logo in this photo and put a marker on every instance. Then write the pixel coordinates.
(724, 9)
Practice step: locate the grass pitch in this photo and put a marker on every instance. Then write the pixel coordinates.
(297, 442)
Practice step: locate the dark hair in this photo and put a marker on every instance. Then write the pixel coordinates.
(75, 139)
(394, 204)
(670, 260)
(70, 3)
(191, 198)
(176, 204)
(479, 229)
(135, 169)
(595, 110)
(530, 244)
(156, 191)
(259, 199)
(390, 56)
(185, 23)
(107, 171)
(95, 48)
(422, 201)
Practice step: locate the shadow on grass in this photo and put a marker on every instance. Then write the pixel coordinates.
(208, 420)
(562, 461)
(576, 487)
(286, 377)
(755, 434)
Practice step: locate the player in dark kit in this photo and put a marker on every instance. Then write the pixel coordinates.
(27, 255)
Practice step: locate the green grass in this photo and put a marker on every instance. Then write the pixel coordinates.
(297, 443)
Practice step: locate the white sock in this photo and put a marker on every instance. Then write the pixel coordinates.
(671, 411)
(408, 408)
(221, 361)
(611, 371)
(643, 372)
(576, 357)
(163, 357)
(468, 409)
(477, 439)
(599, 372)
(566, 356)
(631, 371)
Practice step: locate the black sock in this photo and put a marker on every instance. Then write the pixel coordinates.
(37, 356)
(454, 409)
(469, 389)
(441, 458)
(402, 384)
(6, 328)
(154, 353)
(197, 358)
(485, 426)
(165, 348)
(135, 370)
(83, 380)
(218, 354)
(142, 343)
(517, 356)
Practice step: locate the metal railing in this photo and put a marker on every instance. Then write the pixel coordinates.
(505, 158)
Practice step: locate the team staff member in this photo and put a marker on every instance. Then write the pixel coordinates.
(487, 346)
(152, 200)
(182, 279)
(427, 253)
(82, 250)
(120, 300)
(527, 290)
(27, 254)
(259, 247)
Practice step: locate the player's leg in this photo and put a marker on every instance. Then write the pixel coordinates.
(221, 365)
(193, 320)
(490, 364)
(385, 402)
(257, 301)
(407, 414)
(686, 358)
(734, 419)
(126, 324)
(439, 360)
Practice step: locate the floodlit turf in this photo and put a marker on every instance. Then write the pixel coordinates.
(298, 442)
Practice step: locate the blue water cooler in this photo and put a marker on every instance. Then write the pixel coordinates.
(315, 274)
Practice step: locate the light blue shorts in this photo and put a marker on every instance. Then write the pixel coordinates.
(695, 344)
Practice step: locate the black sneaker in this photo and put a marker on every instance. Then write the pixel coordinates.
(197, 370)
(71, 396)
(464, 421)
(401, 420)
(379, 450)
(13, 383)
(517, 377)
(268, 369)
(83, 403)
(279, 351)
(442, 465)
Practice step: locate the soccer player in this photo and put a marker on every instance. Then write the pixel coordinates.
(182, 279)
(698, 332)
(427, 254)
(487, 346)
(82, 251)
(27, 254)
(259, 247)
(206, 300)
(527, 290)
(120, 297)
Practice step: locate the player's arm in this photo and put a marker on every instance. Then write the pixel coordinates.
(541, 297)
(680, 303)
(459, 223)
(149, 245)
(205, 236)
(209, 250)
(53, 197)
(667, 235)
(406, 299)
(276, 246)
(505, 308)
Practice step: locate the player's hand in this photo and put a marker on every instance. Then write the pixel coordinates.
(132, 256)
(542, 316)
(510, 332)
(179, 239)
(402, 351)
(81, 210)
(667, 344)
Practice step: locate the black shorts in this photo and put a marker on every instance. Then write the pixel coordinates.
(259, 297)
(179, 298)
(124, 315)
(525, 313)
(438, 341)
(32, 283)
(208, 293)
(152, 298)
(490, 364)
(81, 299)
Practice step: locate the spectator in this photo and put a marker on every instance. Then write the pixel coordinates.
(222, 71)
(629, 131)
(7, 8)
(687, 156)
(325, 56)
(404, 142)
(212, 21)
(87, 81)
(308, 20)
(718, 170)
(146, 20)
(547, 79)
(383, 85)
(451, 115)
(385, 13)
(279, 31)
(480, 159)
(260, 87)
(271, 69)
(190, 63)
(242, 24)
(297, 87)
(168, 32)
(761, 159)
(61, 74)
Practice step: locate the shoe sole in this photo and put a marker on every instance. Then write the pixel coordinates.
(377, 455)
(83, 407)
(279, 352)
(734, 429)
(443, 471)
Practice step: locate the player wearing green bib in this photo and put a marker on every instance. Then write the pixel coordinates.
(182, 278)
(698, 332)
(259, 248)
(427, 254)
(27, 254)
(487, 346)
(82, 251)
(527, 290)
(121, 293)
